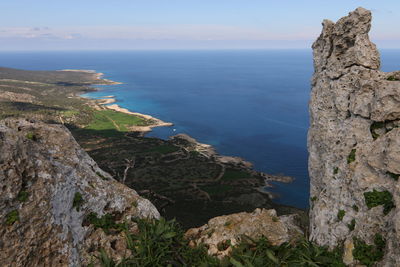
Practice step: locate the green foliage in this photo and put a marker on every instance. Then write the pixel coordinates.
(164, 149)
(12, 217)
(232, 174)
(374, 126)
(101, 176)
(78, 201)
(161, 243)
(303, 253)
(393, 175)
(335, 170)
(31, 136)
(113, 120)
(352, 225)
(377, 198)
(355, 208)
(314, 198)
(22, 196)
(369, 254)
(352, 156)
(106, 222)
(341, 214)
(392, 78)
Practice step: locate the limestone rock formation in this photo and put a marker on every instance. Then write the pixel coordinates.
(222, 231)
(57, 207)
(354, 144)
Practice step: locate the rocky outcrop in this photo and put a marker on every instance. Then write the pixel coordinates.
(221, 232)
(354, 144)
(57, 207)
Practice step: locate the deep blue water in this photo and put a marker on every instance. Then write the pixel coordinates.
(251, 104)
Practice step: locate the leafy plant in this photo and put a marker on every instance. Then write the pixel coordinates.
(352, 156)
(341, 214)
(377, 198)
(22, 196)
(392, 78)
(12, 217)
(352, 225)
(106, 222)
(303, 253)
(355, 208)
(31, 136)
(369, 254)
(335, 170)
(78, 201)
(161, 243)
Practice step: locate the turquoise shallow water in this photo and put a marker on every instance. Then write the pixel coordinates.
(251, 104)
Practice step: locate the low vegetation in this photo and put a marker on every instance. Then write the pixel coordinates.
(392, 78)
(12, 217)
(22, 196)
(369, 254)
(113, 120)
(341, 214)
(352, 156)
(352, 224)
(77, 201)
(161, 243)
(376, 198)
(107, 222)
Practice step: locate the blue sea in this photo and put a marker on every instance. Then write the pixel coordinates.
(251, 104)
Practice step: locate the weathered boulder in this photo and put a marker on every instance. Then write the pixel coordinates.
(57, 207)
(354, 144)
(221, 232)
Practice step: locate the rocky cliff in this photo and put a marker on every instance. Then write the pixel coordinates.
(354, 145)
(57, 207)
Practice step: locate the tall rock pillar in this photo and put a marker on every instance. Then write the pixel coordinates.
(354, 144)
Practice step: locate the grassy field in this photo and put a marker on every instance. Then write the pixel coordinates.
(113, 120)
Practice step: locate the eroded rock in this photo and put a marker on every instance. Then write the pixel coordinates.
(221, 232)
(353, 141)
(50, 192)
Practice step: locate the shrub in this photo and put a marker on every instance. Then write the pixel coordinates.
(376, 198)
(369, 254)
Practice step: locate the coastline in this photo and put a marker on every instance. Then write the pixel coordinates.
(107, 102)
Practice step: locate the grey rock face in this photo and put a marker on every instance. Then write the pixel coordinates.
(354, 141)
(43, 171)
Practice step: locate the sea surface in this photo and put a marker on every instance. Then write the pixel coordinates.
(251, 104)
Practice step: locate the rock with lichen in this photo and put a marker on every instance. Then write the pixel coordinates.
(57, 207)
(354, 145)
(223, 232)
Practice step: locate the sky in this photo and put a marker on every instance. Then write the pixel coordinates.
(182, 24)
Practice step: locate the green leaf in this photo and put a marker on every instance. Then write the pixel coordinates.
(235, 263)
(271, 256)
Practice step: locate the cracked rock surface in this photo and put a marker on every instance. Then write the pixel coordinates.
(222, 231)
(49, 186)
(354, 141)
